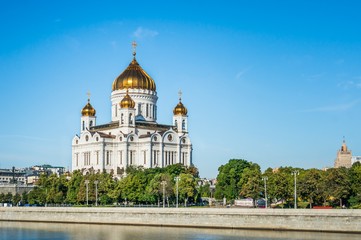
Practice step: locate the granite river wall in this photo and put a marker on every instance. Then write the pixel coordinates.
(317, 220)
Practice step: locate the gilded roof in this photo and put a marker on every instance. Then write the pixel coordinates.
(134, 77)
(88, 110)
(127, 102)
(180, 109)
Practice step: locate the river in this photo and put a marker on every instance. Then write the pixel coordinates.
(42, 231)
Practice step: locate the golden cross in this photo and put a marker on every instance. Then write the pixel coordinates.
(88, 93)
(180, 95)
(134, 45)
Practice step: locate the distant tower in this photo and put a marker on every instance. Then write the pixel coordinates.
(180, 118)
(87, 116)
(344, 157)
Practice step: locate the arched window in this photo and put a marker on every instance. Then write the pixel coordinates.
(139, 109)
(183, 125)
(130, 118)
(122, 118)
(91, 123)
(83, 126)
(176, 123)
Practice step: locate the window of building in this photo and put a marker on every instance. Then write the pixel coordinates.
(130, 118)
(139, 109)
(108, 158)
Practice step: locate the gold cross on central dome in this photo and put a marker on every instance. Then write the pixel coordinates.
(134, 45)
(88, 93)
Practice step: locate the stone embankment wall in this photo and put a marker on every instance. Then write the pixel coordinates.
(14, 188)
(322, 220)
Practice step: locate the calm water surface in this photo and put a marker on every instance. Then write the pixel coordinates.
(42, 231)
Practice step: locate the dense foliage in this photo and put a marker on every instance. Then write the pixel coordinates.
(140, 186)
(335, 187)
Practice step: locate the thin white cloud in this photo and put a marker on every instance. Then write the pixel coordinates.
(315, 77)
(24, 137)
(350, 84)
(141, 32)
(241, 73)
(333, 108)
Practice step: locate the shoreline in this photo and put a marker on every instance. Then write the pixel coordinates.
(297, 220)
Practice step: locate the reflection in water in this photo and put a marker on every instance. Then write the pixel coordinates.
(42, 231)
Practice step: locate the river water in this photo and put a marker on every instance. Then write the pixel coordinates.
(42, 231)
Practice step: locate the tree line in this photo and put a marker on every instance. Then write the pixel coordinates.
(334, 187)
(238, 179)
(140, 186)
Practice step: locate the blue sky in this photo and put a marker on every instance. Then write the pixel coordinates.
(274, 82)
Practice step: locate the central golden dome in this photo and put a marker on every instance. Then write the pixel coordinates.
(134, 77)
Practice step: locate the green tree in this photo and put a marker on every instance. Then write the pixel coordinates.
(308, 186)
(337, 185)
(187, 187)
(8, 198)
(107, 191)
(37, 196)
(250, 183)
(24, 197)
(2, 197)
(228, 177)
(73, 187)
(155, 187)
(205, 190)
(16, 199)
(132, 187)
(355, 179)
(279, 187)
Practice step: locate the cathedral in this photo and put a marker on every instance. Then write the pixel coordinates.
(132, 137)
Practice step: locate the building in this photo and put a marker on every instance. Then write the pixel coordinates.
(344, 157)
(13, 175)
(132, 137)
(355, 159)
(48, 169)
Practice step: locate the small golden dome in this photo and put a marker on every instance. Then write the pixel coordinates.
(88, 110)
(127, 102)
(134, 77)
(180, 109)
